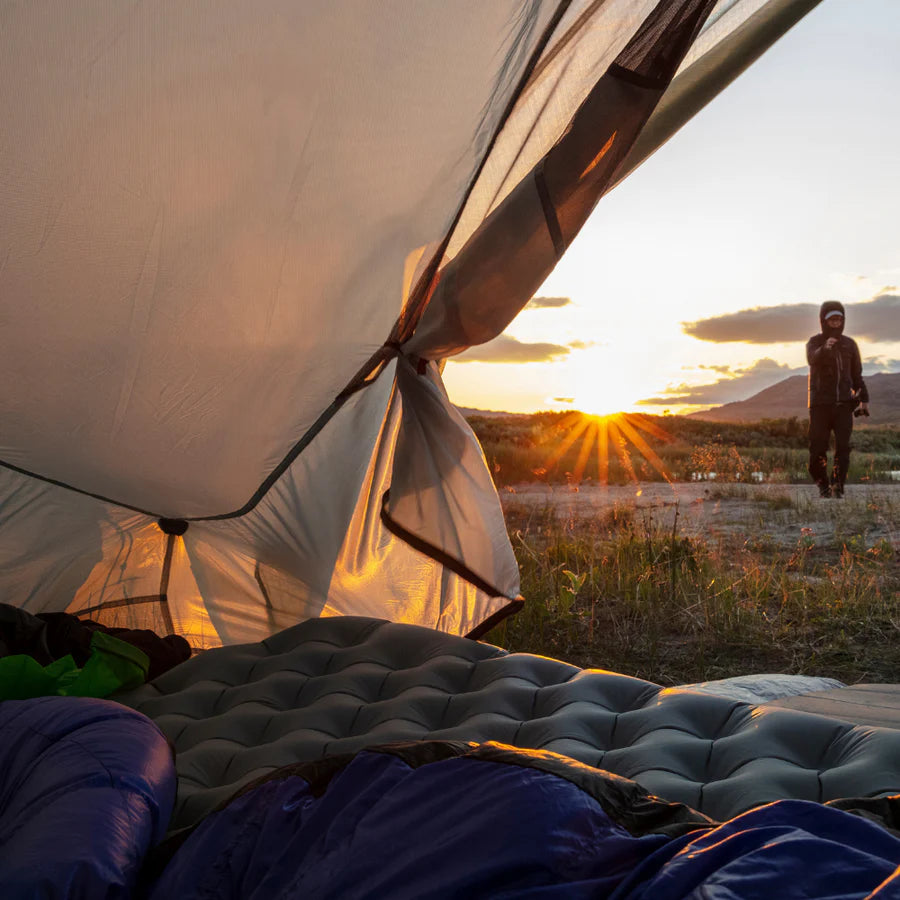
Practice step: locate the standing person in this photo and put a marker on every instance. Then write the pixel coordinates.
(836, 387)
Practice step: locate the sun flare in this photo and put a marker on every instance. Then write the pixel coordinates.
(621, 434)
(600, 388)
(599, 407)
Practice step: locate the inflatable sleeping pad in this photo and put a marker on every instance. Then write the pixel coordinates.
(338, 685)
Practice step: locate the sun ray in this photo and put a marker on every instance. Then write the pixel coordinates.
(603, 452)
(578, 428)
(622, 430)
(646, 450)
(621, 448)
(641, 421)
(570, 420)
(585, 450)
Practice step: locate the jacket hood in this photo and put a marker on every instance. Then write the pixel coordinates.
(830, 306)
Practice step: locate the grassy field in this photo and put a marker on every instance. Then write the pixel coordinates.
(636, 590)
(569, 447)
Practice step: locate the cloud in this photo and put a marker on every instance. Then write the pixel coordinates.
(742, 383)
(722, 370)
(563, 399)
(581, 345)
(761, 325)
(873, 364)
(875, 320)
(506, 349)
(878, 320)
(548, 302)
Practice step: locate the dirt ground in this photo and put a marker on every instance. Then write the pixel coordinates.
(782, 513)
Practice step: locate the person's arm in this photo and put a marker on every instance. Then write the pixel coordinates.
(818, 354)
(859, 385)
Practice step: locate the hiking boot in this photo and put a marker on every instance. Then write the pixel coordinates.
(837, 490)
(824, 491)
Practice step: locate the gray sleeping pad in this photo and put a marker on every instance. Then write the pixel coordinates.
(335, 685)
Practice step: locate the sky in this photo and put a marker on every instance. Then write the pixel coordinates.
(698, 279)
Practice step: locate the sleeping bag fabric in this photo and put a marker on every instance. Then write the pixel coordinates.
(86, 788)
(451, 820)
(784, 850)
(432, 819)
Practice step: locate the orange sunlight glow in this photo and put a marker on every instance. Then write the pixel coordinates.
(623, 431)
(597, 384)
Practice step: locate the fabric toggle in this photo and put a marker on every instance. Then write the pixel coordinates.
(172, 526)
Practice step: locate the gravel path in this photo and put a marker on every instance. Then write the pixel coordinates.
(785, 513)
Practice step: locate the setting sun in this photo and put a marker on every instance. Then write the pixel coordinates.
(597, 405)
(605, 381)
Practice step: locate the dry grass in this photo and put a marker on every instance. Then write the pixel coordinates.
(620, 591)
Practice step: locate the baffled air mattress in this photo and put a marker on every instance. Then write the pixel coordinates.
(338, 685)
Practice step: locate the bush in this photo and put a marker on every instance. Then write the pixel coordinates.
(560, 448)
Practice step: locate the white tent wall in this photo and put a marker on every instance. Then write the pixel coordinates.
(52, 541)
(442, 496)
(296, 531)
(314, 545)
(211, 225)
(206, 213)
(588, 38)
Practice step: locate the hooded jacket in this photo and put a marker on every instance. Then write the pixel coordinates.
(835, 373)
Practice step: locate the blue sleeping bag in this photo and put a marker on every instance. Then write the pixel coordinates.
(86, 788)
(789, 849)
(409, 821)
(457, 828)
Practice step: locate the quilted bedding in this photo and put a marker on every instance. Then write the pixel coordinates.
(336, 686)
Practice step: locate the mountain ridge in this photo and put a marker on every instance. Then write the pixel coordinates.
(787, 398)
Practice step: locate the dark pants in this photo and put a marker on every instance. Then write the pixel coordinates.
(822, 421)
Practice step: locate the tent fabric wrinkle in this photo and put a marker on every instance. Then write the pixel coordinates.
(270, 215)
(441, 488)
(737, 35)
(223, 326)
(508, 257)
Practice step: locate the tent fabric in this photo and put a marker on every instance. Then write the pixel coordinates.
(442, 820)
(430, 493)
(217, 232)
(735, 36)
(337, 685)
(86, 789)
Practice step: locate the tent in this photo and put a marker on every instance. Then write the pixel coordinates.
(236, 242)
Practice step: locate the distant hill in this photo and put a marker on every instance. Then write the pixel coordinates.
(467, 411)
(788, 398)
